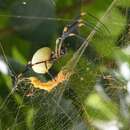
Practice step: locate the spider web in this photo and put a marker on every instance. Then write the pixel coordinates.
(74, 104)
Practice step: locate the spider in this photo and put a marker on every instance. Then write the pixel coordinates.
(44, 58)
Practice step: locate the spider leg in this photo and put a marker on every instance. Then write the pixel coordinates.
(79, 37)
(59, 42)
(26, 69)
(29, 65)
(87, 24)
(59, 47)
(105, 27)
(52, 77)
(48, 71)
(16, 78)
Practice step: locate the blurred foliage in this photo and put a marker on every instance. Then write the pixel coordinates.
(97, 94)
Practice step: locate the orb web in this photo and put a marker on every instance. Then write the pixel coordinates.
(96, 92)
